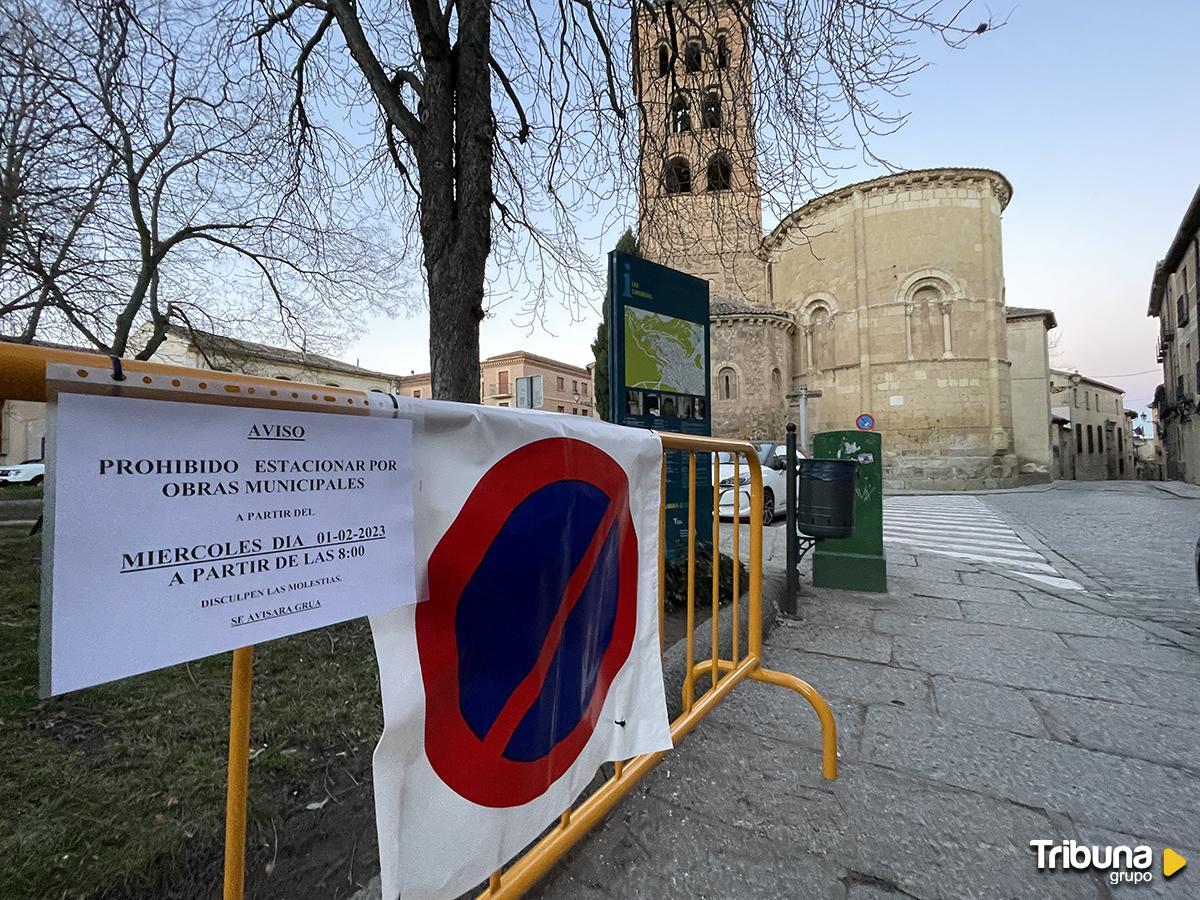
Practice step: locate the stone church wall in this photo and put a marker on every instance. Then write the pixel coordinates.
(896, 286)
(756, 351)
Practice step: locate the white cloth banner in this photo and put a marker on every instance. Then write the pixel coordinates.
(532, 655)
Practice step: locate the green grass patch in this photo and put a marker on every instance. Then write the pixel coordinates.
(119, 790)
(20, 492)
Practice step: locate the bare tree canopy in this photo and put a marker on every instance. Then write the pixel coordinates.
(510, 122)
(146, 178)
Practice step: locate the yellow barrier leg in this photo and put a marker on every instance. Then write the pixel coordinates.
(829, 760)
(239, 773)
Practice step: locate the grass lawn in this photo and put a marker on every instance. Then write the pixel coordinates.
(118, 790)
(21, 492)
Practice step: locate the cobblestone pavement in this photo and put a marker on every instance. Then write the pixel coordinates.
(977, 711)
(1134, 541)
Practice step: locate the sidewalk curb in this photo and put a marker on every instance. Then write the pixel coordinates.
(1167, 487)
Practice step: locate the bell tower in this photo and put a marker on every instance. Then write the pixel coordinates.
(699, 205)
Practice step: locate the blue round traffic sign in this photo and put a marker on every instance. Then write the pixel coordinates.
(530, 613)
(865, 422)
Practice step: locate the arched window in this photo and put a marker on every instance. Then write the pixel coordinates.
(664, 60)
(678, 176)
(720, 172)
(691, 56)
(776, 382)
(681, 115)
(710, 110)
(821, 348)
(722, 51)
(727, 386)
(927, 293)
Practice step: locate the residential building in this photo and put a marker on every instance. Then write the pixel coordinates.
(1100, 446)
(565, 388)
(1148, 456)
(1175, 302)
(204, 350)
(1034, 435)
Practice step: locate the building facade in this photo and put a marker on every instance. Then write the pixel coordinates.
(1175, 302)
(1034, 435)
(887, 296)
(565, 388)
(1099, 444)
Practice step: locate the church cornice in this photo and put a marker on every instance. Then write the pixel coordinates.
(938, 177)
(771, 318)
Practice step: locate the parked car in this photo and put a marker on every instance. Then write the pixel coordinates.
(32, 471)
(772, 455)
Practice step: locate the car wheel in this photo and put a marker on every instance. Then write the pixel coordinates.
(768, 507)
(35, 480)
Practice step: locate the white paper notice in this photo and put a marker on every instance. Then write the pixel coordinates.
(181, 530)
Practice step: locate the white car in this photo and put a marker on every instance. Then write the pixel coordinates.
(773, 457)
(32, 471)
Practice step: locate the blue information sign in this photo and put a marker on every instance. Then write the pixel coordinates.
(658, 363)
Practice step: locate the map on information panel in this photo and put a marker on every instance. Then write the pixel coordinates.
(663, 353)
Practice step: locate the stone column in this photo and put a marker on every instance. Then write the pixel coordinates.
(808, 349)
(862, 325)
(908, 314)
(948, 349)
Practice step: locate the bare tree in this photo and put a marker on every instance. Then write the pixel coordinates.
(147, 179)
(511, 121)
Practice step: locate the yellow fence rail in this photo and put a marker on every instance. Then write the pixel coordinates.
(23, 377)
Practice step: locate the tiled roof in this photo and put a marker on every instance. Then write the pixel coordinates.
(730, 308)
(219, 345)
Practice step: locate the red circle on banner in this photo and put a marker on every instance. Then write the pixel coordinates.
(475, 765)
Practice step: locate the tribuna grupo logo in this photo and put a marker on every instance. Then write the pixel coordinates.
(1131, 865)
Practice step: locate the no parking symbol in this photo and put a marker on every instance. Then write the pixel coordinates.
(531, 613)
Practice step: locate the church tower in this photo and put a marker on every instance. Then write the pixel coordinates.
(699, 204)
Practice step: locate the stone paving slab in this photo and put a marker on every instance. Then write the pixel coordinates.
(1059, 622)
(890, 829)
(995, 636)
(1170, 736)
(978, 661)
(1145, 655)
(867, 683)
(1097, 788)
(991, 705)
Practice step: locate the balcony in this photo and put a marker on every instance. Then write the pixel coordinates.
(499, 391)
(1168, 333)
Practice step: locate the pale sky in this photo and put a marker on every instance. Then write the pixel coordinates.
(1092, 111)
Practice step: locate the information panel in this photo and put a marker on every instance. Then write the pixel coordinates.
(180, 530)
(659, 373)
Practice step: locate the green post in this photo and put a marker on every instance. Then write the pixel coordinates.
(855, 563)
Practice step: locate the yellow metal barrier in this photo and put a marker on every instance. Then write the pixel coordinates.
(723, 674)
(23, 377)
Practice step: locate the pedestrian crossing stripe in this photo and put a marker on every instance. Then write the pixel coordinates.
(964, 528)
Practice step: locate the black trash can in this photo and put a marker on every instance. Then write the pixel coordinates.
(825, 497)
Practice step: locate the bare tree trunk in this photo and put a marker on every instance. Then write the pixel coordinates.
(455, 161)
